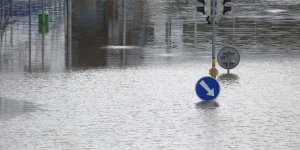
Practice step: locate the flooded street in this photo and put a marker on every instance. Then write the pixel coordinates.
(104, 80)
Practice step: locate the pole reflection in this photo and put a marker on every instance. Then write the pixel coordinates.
(96, 25)
(89, 33)
(29, 38)
(68, 33)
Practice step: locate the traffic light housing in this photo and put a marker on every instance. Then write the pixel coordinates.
(222, 8)
(205, 8)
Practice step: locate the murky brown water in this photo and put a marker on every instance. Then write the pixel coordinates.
(80, 88)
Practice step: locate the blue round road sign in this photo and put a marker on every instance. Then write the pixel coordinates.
(207, 88)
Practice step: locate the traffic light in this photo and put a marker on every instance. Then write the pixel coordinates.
(222, 8)
(205, 8)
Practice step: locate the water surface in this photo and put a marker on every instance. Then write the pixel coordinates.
(84, 86)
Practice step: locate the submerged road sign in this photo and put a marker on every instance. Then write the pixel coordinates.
(228, 58)
(207, 88)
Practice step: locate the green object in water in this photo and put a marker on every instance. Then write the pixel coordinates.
(46, 22)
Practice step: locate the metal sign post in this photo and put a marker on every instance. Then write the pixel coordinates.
(213, 71)
(228, 62)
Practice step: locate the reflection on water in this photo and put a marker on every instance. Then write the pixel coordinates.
(229, 80)
(207, 104)
(160, 28)
(21, 47)
(11, 108)
(228, 77)
(99, 25)
(89, 33)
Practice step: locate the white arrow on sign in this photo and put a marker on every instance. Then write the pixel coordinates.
(211, 92)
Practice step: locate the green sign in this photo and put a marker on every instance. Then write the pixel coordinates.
(44, 23)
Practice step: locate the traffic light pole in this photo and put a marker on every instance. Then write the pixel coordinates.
(213, 69)
(213, 8)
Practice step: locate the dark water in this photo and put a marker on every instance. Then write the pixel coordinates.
(91, 84)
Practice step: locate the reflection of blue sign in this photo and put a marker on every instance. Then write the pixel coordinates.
(207, 88)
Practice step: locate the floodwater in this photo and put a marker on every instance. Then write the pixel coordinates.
(87, 84)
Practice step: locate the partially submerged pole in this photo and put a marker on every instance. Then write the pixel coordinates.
(214, 71)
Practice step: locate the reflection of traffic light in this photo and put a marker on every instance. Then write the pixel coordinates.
(222, 8)
(205, 8)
